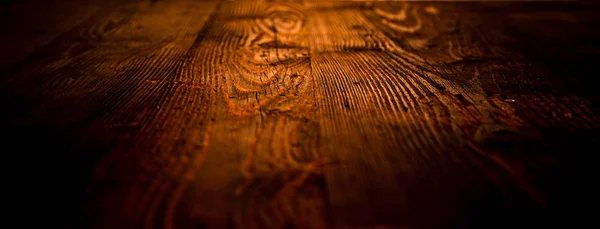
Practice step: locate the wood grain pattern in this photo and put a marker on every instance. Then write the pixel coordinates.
(301, 114)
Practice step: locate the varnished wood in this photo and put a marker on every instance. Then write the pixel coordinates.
(300, 114)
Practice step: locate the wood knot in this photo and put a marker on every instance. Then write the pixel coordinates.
(282, 19)
(503, 138)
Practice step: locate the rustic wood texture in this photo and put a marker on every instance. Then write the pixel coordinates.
(300, 114)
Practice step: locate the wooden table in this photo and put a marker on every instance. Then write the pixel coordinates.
(315, 114)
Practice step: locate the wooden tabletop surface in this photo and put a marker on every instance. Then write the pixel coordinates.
(188, 114)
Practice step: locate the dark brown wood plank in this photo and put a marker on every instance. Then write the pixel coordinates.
(91, 95)
(409, 72)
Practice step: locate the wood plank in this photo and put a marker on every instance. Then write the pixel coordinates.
(269, 178)
(100, 85)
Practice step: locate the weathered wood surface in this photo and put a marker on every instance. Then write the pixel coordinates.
(250, 114)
